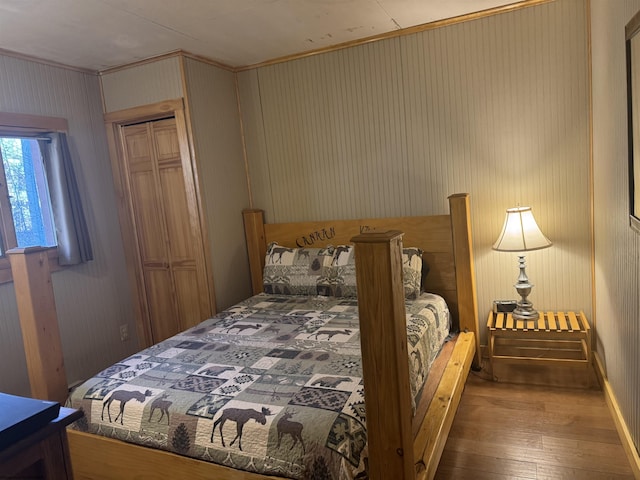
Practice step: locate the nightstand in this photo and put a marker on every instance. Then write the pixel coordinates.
(43, 454)
(555, 338)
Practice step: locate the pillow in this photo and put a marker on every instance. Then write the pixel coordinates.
(341, 280)
(296, 271)
(412, 272)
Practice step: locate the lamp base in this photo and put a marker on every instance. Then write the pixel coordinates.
(524, 310)
(525, 313)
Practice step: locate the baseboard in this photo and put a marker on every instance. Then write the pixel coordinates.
(621, 425)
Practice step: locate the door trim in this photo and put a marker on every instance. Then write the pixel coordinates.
(114, 121)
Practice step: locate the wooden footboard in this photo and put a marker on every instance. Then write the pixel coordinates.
(383, 343)
(393, 451)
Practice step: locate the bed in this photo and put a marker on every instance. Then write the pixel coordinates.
(406, 422)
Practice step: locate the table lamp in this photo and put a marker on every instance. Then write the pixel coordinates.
(520, 233)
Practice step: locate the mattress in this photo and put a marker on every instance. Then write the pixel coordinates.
(271, 385)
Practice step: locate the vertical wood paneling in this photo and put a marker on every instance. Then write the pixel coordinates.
(321, 117)
(617, 256)
(256, 150)
(92, 299)
(221, 170)
(497, 107)
(14, 379)
(142, 84)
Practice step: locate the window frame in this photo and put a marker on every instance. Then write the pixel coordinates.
(19, 124)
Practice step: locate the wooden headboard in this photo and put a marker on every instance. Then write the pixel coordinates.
(444, 239)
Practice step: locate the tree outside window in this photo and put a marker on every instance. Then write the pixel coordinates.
(25, 205)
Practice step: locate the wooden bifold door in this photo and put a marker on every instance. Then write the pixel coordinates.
(164, 218)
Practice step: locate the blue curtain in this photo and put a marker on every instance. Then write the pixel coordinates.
(74, 244)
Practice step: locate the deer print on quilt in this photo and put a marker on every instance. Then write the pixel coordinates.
(272, 385)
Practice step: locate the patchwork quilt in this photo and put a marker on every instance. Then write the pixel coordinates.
(272, 385)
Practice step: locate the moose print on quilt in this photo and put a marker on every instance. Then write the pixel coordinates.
(272, 385)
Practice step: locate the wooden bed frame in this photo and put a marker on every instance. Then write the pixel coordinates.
(400, 447)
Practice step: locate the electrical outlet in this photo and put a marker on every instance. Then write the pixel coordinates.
(124, 332)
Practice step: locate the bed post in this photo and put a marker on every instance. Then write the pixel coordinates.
(465, 269)
(385, 368)
(256, 245)
(39, 323)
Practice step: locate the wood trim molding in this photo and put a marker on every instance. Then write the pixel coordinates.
(145, 113)
(208, 61)
(17, 121)
(195, 161)
(621, 424)
(164, 56)
(196, 212)
(399, 33)
(144, 61)
(51, 63)
(592, 209)
(22, 123)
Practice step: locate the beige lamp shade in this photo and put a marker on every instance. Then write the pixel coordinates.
(520, 232)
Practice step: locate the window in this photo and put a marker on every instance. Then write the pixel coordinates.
(25, 205)
(36, 166)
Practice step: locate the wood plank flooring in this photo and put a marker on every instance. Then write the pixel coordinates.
(509, 431)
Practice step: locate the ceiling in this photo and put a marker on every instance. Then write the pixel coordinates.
(100, 34)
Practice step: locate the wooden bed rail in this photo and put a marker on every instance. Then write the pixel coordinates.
(39, 323)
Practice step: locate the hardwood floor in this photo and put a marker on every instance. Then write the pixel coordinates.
(509, 431)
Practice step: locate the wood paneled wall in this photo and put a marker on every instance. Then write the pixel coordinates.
(92, 299)
(617, 246)
(144, 84)
(215, 122)
(497, 107)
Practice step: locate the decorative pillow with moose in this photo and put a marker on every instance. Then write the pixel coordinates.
(297, 271)
(412, 272)
(341, 280)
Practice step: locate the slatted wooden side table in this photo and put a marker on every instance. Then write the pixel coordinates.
(555, 338)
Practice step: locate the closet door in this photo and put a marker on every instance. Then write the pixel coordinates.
(166, 227)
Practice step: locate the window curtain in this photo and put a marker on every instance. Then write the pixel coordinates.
(74, 245)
